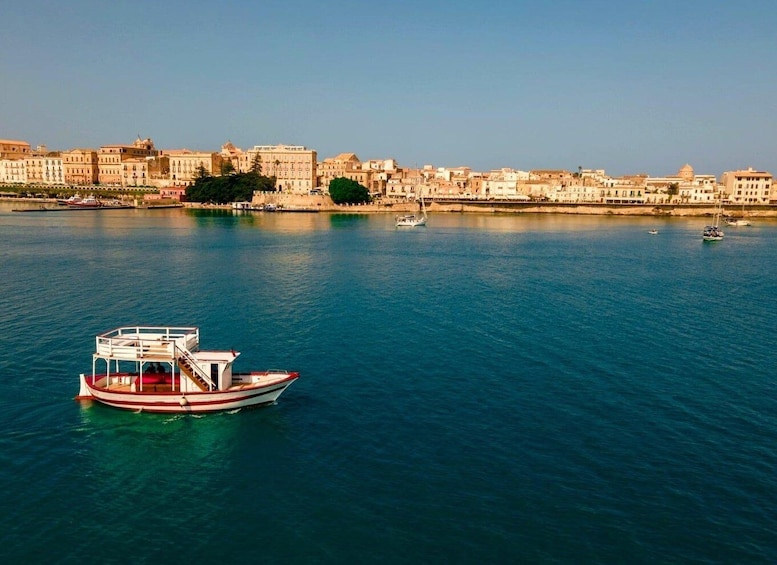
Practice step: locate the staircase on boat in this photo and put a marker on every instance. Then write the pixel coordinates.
(189, 367)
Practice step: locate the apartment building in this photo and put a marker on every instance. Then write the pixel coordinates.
(111, 157)
(145, 171)
(293, 166)
(185, 164)
(80, 166)
(13, 149)
(46, 169)
(747, 186)
(13, 171)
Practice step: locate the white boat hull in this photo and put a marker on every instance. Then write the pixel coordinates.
(188, 402)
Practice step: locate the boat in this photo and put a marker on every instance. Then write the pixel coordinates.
(88, 202)
(737, 222)
(163, 369)
(412, 220)
(75, 199)
(713, 232)
(653, 232)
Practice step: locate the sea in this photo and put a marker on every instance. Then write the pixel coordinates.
(527, 388)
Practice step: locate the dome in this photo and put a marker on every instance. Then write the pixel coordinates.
(686, 172)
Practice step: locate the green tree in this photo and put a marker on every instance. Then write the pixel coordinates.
(673, 189)
(229, 188)
(347, 191)
(202, 172)
(227, 168)
(256, 164)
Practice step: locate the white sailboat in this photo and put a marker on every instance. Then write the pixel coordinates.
(713, 232)
(412, 220)
(732, 221)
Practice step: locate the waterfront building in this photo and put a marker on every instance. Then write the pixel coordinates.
(502, 184)
(185, 164)
(111, 157)
(13, 171)
(380, 172)
(344, 165)
(684, 186)
(145, 171)
(747, 186)
(44, 169)
(293, 166)
(14, 149)
(80, 166)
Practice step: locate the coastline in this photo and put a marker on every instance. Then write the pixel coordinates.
(303, 203)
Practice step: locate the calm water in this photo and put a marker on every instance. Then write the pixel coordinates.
(490, 389)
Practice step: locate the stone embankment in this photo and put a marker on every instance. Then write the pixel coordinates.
(324, 204)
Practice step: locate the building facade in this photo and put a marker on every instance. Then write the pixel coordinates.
(185, 164)
(13, 149)
(46, 169)
(13, 171)
(747, 186)
(293, 166)
(80, 166)
(111, 157)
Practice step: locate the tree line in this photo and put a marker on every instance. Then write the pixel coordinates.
(231, 186)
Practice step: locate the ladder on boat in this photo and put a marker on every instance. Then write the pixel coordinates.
(189, 367)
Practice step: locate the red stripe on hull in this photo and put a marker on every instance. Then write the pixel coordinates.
(171, 401)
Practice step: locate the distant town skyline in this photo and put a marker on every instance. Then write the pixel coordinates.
(627, 88)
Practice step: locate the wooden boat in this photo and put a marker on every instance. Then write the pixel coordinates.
(162, 369)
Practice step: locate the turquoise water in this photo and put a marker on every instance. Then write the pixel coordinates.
(492, 389)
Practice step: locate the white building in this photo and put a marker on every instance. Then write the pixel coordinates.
(747, 186)
(44, 170)
(13, 171)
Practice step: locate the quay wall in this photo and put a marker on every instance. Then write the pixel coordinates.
(324, 204)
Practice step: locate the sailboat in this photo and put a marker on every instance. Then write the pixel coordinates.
(732, 221)
(411, 220)
(713, 232)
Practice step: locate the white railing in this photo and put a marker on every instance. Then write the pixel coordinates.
(139, 342)
(195, 368)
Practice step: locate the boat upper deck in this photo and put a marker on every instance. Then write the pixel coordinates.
(146, 342)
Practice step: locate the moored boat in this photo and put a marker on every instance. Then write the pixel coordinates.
(88, 202)
(411, 220)
(162, 369)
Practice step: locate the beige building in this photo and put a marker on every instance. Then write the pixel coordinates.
(145, 171)
(234, 155)
(293, 166)
(80, 166)
(346, 165)
(46, 169)
(13, 149)
(111, 157)
(184, 165)
(13, 171)
(747, 187)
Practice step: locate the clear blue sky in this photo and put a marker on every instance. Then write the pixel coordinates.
(629, 86)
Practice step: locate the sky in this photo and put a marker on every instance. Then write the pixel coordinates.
(634, 86)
